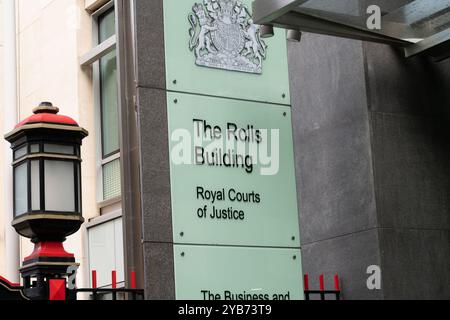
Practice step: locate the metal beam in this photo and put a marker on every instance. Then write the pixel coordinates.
(393, 30)
(428, 43)
(307, 23)
(265, 11)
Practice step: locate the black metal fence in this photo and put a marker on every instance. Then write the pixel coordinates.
(322, 294)
(112, 294)
(10, 291)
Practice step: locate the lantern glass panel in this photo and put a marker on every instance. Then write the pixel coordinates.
(59, 149)
(19, 153)
(35, 186)
(78, 166)
(59, 186)
(21, 189)
(34, 148)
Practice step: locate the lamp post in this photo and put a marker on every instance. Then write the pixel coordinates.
(47, 193)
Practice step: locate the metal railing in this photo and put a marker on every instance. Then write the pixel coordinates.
(102, 293)
(322, 293)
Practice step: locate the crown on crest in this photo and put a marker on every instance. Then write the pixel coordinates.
(227, 6)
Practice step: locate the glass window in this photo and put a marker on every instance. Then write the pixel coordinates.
(106, 251)
(111, 179)
(105, 241)
(109, 106)
(21, 189)
(109, 110)
(106, 25)
(59, 186)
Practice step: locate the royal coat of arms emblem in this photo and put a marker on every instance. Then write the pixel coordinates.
(223, 36)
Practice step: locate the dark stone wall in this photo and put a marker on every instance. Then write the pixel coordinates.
(408, 101)
(372, 134)
(338, 221)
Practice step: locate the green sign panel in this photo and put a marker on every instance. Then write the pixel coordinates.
(232, 172)
(212, 48)
(226, 273)
(234, 199)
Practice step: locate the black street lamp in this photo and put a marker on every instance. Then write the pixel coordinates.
(47, 192)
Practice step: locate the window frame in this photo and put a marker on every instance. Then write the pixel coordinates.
(92, 59)
(90, 227)
(99, 50)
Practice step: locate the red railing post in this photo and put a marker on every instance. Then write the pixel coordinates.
(337, 287)
(306, 282)
(336, 283)
(133, 280)
(94, 279)
(322, 287)
(114, 279)
(322, 282)
(306, 286)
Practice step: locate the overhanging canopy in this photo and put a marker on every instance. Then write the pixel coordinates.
(420, 26)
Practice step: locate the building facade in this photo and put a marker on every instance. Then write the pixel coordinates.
(51, 37)
(368, 138)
